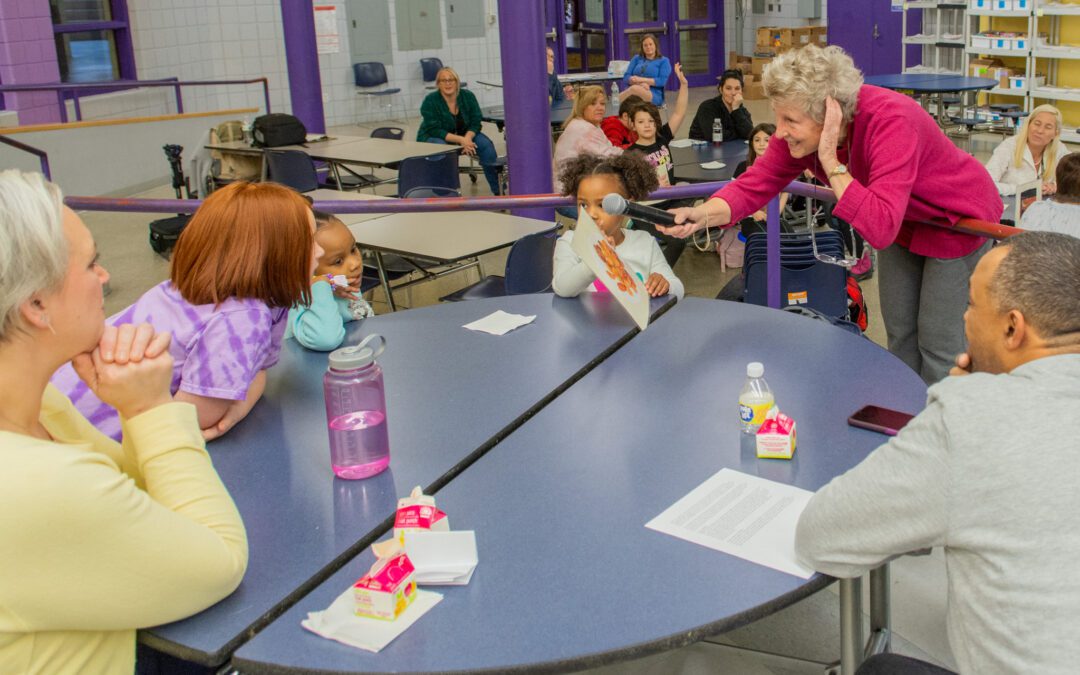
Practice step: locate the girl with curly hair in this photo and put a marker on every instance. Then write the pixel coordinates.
(591, 178)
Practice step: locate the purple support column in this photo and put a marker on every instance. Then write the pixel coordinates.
(772, 253)
(528, 122)
(305, 86)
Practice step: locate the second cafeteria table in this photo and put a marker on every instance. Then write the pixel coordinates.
(569, 577)
(451, 394)
(443, 237)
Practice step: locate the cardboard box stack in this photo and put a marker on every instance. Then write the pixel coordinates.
(772, 40)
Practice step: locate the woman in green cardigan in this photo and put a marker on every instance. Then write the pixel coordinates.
(451, 115)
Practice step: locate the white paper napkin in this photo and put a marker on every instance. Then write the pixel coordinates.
(338, 621)
(681, 143)
(500, 322)
(713, 165)
(442, 558)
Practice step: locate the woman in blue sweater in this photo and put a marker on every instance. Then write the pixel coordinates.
(647, 73)
(451, 114)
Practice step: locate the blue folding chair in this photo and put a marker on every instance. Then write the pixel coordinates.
(528, 270)
(292, 168)
(431, 171)
(429, 70)
(372, 74)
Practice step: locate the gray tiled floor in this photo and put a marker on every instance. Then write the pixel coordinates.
(808, 629)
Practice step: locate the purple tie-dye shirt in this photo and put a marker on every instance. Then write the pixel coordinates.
(217, 351)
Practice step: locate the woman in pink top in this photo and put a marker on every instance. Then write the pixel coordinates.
(891, 168)
(581, 133)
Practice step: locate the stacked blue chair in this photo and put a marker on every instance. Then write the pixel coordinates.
(804, 280)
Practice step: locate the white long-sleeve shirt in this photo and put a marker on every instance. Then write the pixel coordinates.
(1007, 175)
(990, 470)
(638, 251)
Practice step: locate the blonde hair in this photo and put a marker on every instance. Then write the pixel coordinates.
(804, 77)
(1051, 153)
(586, 96)
(33, 248)
(451, 72)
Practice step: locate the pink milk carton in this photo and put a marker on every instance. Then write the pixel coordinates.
(776, 437)
(388, 587)
(418, 512)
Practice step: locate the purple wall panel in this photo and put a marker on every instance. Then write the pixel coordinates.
(29, 56)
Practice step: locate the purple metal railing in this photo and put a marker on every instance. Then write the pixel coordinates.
(772, 284)
(40, 154)
(120, 85)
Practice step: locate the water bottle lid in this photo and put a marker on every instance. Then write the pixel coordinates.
(755, 369)
(359, 355)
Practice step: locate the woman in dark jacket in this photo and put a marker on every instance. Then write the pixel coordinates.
(451, 114)
(728, 107)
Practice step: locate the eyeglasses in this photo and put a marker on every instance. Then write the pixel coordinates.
(443, 80)
(844, 262)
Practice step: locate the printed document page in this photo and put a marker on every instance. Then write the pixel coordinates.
(747, 516)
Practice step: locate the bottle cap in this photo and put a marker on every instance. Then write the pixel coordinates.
(359, 355)
(755, 369)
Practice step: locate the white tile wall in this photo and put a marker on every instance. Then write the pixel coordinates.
(473, 59)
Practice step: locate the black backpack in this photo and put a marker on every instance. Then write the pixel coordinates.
(277, 129)
(165, 232)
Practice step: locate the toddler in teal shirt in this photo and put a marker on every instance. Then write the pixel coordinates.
(321, 325)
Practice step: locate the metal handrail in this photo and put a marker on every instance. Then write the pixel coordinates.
(966, 225)
(40, 154)
(119, 85)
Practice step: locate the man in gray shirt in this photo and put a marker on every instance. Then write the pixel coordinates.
(990, 471)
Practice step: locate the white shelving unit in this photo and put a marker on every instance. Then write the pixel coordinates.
(972, 32)
(1051, 53)
(945, 34)
(941, 35)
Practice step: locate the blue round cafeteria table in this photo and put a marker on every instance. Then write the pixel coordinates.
(569, 577)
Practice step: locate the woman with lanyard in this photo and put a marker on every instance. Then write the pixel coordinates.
(451, 114)
(892, 170)
(1031, 155)
(647, 73)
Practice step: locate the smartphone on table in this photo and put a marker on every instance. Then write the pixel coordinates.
(882, 420)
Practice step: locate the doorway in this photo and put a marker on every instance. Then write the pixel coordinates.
(689, 32)
(587, 34)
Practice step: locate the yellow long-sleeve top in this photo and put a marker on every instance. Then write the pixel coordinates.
(98, 539)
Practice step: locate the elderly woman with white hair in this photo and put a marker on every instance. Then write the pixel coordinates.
(97, 539)
(892, 170)
(1031, 155)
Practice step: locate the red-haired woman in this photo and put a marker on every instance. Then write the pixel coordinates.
(246, 257)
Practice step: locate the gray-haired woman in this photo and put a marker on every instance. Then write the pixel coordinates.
(892, 170)
(147, 529)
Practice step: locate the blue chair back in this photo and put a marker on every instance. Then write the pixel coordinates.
(529, 264)
(369, 74)
(430, 67)
(430, 192)
(433, 171)
(292, 168)
(393, 133)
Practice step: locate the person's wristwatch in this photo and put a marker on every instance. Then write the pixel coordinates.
(838, 170)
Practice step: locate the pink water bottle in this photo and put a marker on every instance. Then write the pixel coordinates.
(356, 410)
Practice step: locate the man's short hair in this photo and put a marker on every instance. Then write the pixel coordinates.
(1039, 277)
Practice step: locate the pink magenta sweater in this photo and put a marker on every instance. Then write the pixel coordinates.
(905, 170)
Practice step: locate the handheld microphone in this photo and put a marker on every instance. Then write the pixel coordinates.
(616, 205)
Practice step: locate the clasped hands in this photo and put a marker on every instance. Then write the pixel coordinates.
(130, 368)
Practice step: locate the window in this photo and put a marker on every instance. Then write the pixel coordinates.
(93, 42)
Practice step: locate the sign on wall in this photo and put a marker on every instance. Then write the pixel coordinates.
(327, 38)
